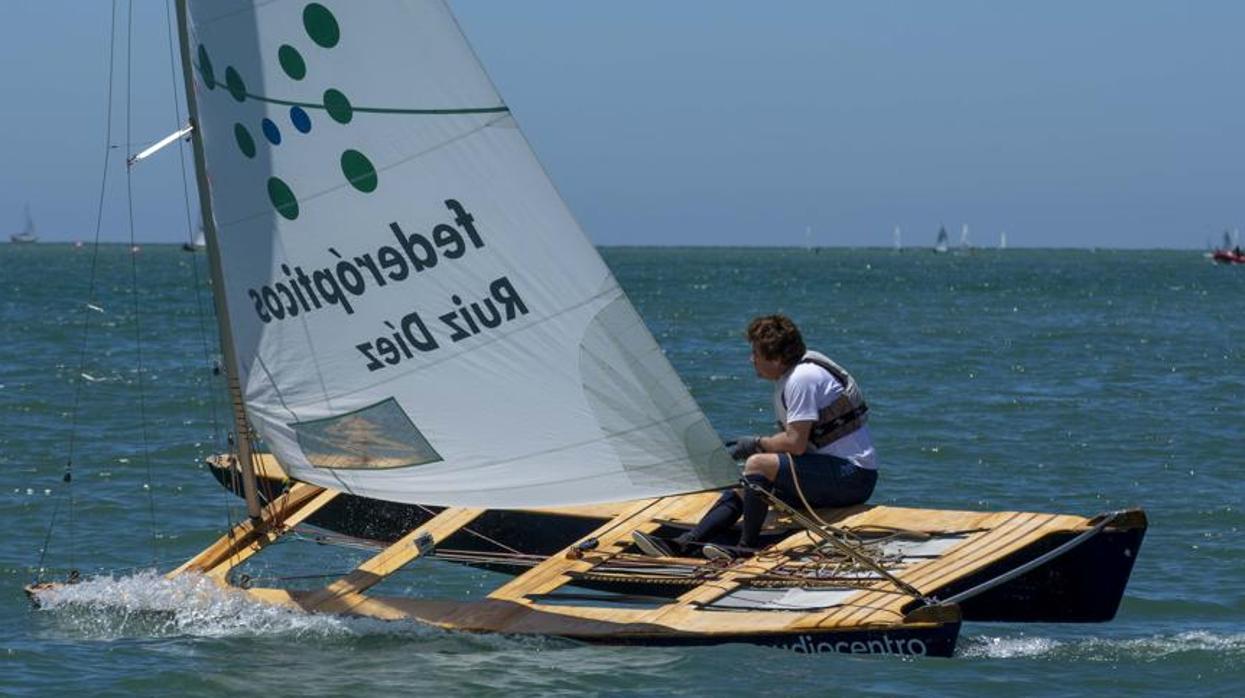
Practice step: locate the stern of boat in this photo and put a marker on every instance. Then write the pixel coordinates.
(1084, 585)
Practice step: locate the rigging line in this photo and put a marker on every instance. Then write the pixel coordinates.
(138, 325)
(617, 521)
(397, 163)
(47, 540)
(847, 535)
(67, 478)
(194, 261)
(841, 546)
(477, 534)
(502, 109)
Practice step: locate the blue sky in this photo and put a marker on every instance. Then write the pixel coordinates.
(1066, 124)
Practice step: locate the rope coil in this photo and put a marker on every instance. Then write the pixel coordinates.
(837, 538)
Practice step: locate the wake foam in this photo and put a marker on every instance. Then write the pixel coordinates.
(145, 604)
(1007, 647)
(1105, 649)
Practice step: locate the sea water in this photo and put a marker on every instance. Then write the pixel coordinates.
(1074, 381)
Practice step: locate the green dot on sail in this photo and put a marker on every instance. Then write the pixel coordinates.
(321, 25)
(282, 198)
(245, 142)
(205, 68)
(338, 107)
(292, 62)
(233, 81)
(359, 171)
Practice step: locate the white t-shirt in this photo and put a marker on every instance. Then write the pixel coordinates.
(809, 388)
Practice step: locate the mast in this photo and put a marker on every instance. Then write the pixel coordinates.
(241, 425)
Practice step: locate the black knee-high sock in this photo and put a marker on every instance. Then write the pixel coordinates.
(755, 508)
(721, 516)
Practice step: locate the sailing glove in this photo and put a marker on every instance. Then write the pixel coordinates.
(744, 446)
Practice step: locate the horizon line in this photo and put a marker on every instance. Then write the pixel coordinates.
(691, 245)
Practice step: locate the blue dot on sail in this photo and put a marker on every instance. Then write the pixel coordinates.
(271, 132)
(300, 119)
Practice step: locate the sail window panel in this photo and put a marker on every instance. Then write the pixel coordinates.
(377, 437)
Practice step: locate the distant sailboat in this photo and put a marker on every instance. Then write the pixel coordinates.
(940, 245)
(1003, 240)
(898, 240)
(1230, 253)
(199, 243)
(964, 244)
(808, 240)
(28, 233)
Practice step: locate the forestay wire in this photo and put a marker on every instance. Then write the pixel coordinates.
(89, 307)
(208, 362)
(138, 326)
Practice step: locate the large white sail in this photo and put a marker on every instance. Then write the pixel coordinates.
(417, 316)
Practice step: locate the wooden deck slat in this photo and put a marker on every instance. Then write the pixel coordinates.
(611, 537)
(967, 559)
(247, 538)
(338, 596)
(871, 604)
(1015, 531)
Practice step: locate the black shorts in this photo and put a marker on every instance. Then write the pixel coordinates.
(825, 480)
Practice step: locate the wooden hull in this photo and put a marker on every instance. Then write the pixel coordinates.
(858, 580)
(914, 640)
(725, 602)
(935, 636)
(1084, 585)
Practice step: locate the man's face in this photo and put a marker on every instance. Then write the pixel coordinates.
(769, 369)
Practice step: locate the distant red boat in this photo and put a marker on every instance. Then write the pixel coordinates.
(1232, 256)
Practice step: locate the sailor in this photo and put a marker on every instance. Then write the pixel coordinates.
(821, 455)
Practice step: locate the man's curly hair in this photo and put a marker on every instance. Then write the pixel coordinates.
(776, 337)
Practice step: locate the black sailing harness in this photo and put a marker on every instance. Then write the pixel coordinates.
(845, 415)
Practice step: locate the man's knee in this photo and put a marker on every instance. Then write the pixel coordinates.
(762, 464)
